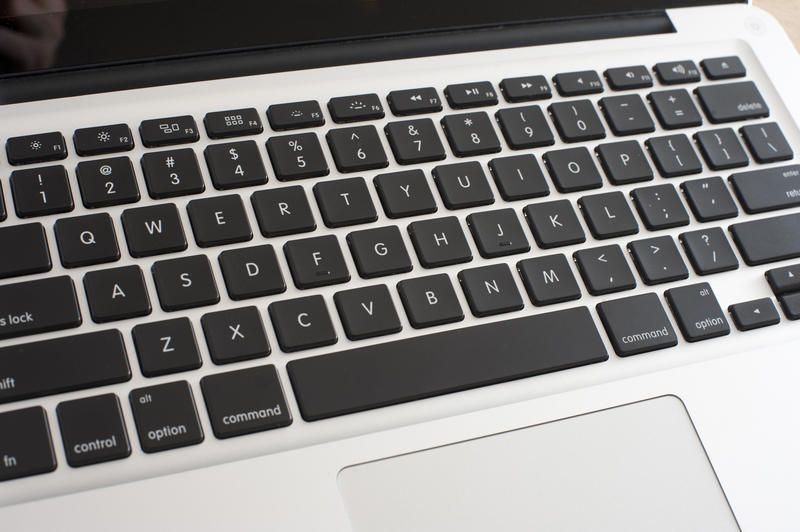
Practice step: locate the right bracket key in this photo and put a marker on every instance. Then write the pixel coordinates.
(697, 312)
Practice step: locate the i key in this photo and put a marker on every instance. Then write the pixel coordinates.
(41, 191)
(519, 177)
(166, 416)
(356, 149)
(234, 165)
(415, 141)
(172, 173)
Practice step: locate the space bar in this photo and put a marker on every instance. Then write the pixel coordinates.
(425, 366)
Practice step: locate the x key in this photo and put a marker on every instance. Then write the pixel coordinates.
(234, 335)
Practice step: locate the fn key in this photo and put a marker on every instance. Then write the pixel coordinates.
(25, 445)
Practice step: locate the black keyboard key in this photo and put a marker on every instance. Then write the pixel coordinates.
(2, 206)
(439, 242)
(356, 149)
(316, 261)
(769, 189)
(425, 366)
(697, 312)
(405, 193)
(674, 155)
(166, 416)
(103, 139)
(627, 115)
(168, 131)
(31, 252)
(768, 239)
(93, 430)
(754, 314)
(302, 323)
(345, 202)
(415, 141)
(297, 156)
(730, 102)
(172, 173)
(573, 169)
(41, 191)
(490, 290)
(548, 280)
(296, 115)
(63, 364)
(524, 127)
(624, 162)
(235, 335)
(674, 72)
(519, 177)
(577, 121)
(470, 134)
(367, 312)
(165, 347)
(637, 324)
(236, 164)
(709, 251)
(463, 185)
(153, 230)
(38, 148)
(234, 123)
(608, 215)
(430, 301)
(116, 294)
(466, 95)
(604, 270)
(26, 443)
(86, 240)
(554, 224)
(498, 233)
(723, 67)
(283, 211)
(33, 307)
(627, 78)
(784, 280)
(251, 272)
(107, 182)
(186, 282)
(525, 89)
(355, 108)
(790, 303)
(721, 149)
(219, 220)
(658, 260)
(675, 109)
(660, 207)
(709, 199)
(414, 101)
(578, 83)
(378, 252)
(767, 143)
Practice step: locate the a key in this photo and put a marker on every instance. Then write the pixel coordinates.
(674, 72)
(316, 261)
(367, 312)
(766, 142)
(31, 252)
(235, 335)
(166, 416)
(554, 224)
(624, 162)
(658, 260)
(39, 148)
(297, 156)
(107, 182)
(578, 83)
(627, 115)
(608, 215)
(519, 177)
(414, 141)
(466, 95)
(730, 102)
(498, 233)
(723, 67)
(577, 121)
(637, 324)
(709, 199)
(430, 301)
(573, 169)
(153, 230)
(784, 280)
(405, 193)
(356, 149)
(116, 294)
(219, 220)
(525, 89)
(355, 108)
(103, 139)
(296, 115)
(674, 155)
(790, 303)
(604, 270)
(234, 123)
(524, 127)
(172, 173)
(754, 314)
(41, 191)
(490, 290)
(675, 109)
(721, 149)
(768, 189)
(86, 240)
(302, 323)
(697, 312)
(185, 283)
(93, 430)
(236, 164)
(660, 207)
(32, 307)
(251, 272)
(768, 239)
(345, 202)
(414, 101)
(627, 78)
(245, 401)
(378, 252)
(165, 347)
(709, 251)
(463, 185)
(470, 134)
(168, 131)
(283, 211)
(439, 242)
(548, 280)
(26, 443)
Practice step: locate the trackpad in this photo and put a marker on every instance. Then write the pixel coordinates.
(635, 467)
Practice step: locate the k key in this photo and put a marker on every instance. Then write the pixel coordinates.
(519, 177)
(172, 173)
(236, 164)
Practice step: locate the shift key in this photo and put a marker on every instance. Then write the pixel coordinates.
(38, 306)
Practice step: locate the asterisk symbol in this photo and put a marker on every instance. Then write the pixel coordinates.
(467, 122)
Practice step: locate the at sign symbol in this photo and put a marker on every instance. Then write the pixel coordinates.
(105, 169)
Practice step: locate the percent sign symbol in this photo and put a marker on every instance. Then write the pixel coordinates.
(295, 146)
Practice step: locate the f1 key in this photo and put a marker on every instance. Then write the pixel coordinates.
(37, 148)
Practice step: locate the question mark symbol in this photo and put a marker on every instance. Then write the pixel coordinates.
(705, 239)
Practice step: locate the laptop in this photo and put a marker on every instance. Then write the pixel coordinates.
(383, 266)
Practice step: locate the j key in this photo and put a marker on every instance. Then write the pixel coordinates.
(626, 78)
(283, 211)
(430, 301)
(166, 416)
(769, 189)
(297, 115)
(234, 165)
(624, 162)
(660, 207)
(107, 182)
(415, 141)
(39, 306)
(674, 155)
(302, 323)
(658, 260)
(548, 280)
(709, 251)
(637, 324)
(93, 430)
(466, 95)
(754, 314)
(439, 242)
(525, 89)
(63, 364)
(86, 240)
(41, 191)
(675, 72)
(784, 280)
(219, 220)
(723, 67)
(697, 312)
(165, 347)
(490, 290)
(31, 254)
(103, 139)
(767, 143)
(235, 335)
(426, 366)
(573, 169)
(345, 202)
(608, 215)
(730, 102)
(604, 270)
(578, 83)
(355, 108)
(367, 312)
(470, 134)
(721, 149)
(627, 115)
(463, 185)
(554, 224)
(316, 262)
(525, 127)
(519, 177)
(768, 239)
(675, 109)
(172, 173)
(577, 121)
(153, 230)
(251, 272)
(116, 294)
(790, 303)
(356, 149)
(297, 156)
(405, 193)
(378, 252)
(414, 101)
(26, 443)
(235, 123)
(498, 233)
(168, 131)
(709, 199)
(36, 148)
(232, 398)
(184, 283)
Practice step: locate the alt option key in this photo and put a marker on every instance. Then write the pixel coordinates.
(166, 416)
(697, 312)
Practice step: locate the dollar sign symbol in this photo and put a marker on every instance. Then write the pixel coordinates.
(233, 153)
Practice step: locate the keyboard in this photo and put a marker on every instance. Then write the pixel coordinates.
(296, 262)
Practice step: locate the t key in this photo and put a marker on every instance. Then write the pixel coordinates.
(357, 148)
